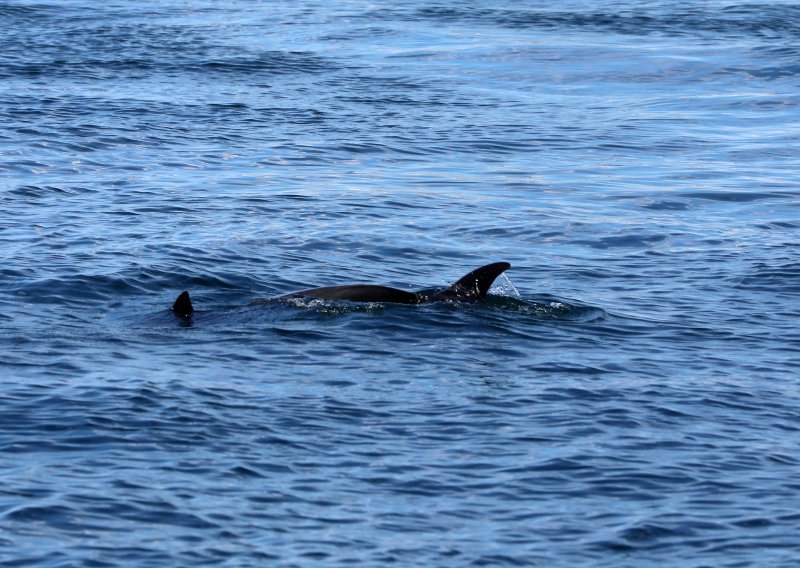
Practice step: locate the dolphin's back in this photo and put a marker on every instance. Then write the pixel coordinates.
(470, 288)
(358, 293)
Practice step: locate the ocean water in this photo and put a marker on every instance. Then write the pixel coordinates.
(627, 396)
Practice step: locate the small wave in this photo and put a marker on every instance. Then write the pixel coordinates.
(547, 307)
(24, 13)
(784, 278)
(740, 196)
(271, 63)
(361, 33)
(666, 205)
(686, 20)
(36, 192)
(641, 240)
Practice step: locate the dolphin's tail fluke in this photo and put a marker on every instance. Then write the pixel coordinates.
(476, 284)
(183, 305)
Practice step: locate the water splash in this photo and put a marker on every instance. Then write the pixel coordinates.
(503, 287)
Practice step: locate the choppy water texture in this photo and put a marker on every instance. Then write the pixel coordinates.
(636, 403)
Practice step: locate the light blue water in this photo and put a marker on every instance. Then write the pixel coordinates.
(635, 404)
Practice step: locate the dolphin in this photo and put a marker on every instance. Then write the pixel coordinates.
(469, 288)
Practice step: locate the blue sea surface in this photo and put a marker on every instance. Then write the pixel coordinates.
(628, 395)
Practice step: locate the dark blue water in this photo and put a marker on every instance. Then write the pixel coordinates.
(627, 397)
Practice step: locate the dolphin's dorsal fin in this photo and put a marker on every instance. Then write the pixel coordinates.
(183, 305)
(476, 284)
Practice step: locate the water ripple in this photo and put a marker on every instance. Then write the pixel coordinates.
(627, 396)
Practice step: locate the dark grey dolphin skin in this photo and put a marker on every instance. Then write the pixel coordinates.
(470, 288)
